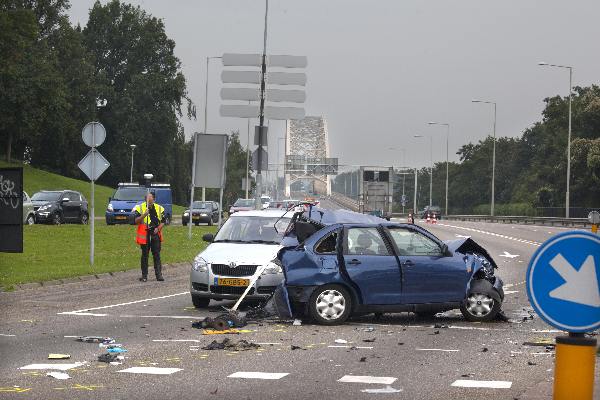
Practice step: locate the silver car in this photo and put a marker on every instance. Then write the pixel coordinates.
(28, 211)
(247, 240)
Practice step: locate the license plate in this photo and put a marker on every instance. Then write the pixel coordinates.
(120, 217)
(232, 282)
(196, 217)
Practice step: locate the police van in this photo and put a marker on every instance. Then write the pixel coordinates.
(128, 195)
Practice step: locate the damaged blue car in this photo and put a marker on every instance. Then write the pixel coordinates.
(339, 263)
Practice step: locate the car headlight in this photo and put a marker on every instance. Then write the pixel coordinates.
(45, 207)
(204, 215)
(110, 207)
(273, 267)
(200, 264)
(186, 214)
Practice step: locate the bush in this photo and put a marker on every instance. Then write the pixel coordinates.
(524, 209)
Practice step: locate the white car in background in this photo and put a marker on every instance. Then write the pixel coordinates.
(266, 201)
(247, 240)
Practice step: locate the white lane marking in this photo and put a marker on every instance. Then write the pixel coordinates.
(387, 389)
(482, 384)
(177, 340)
(7, 335)
(258, 375)
(446, 350)
(83, 314)
(462, 236)
(57, 367)
(125, 304)
(269, 344)
(546, 331)
(533, 243)
(383, 380)
(151, 370)
(508, 255)
(348, 347)
(509, 285)
(510, 291)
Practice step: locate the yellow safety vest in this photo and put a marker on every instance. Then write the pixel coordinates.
(141, 231)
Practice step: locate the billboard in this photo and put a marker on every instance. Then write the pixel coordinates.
(211, 158)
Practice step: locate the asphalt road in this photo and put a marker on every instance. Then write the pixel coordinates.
(408, 357)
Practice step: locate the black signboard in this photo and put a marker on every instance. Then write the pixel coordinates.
(11, 210)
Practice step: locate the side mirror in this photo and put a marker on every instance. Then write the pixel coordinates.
(109, 199)
(445, 250)
(64, 200)
(208, 237)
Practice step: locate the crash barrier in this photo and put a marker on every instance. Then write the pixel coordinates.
(579, 222)
(344, 201)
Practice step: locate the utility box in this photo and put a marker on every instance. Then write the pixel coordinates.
(376, 186)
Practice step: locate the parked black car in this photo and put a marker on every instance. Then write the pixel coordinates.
(202, 211)
(60, 206)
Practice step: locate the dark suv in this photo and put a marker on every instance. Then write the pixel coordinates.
(202, 211)
(433, 210)
(60, 206)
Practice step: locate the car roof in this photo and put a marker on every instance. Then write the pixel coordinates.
(270, 212)
(330, 217)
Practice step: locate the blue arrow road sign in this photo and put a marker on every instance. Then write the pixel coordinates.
(562, 281)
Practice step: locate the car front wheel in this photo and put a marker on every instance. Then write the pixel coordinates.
(200, 302)
(330, 305)
(479, 307)
(83, 219)
(56, 219)
(30, 220)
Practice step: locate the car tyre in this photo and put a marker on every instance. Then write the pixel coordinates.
(30, 220)
(56, 219)
(479, 307)
(330, 305)
(83, 219)
(210, 222)
(167, 219)
(200, 302)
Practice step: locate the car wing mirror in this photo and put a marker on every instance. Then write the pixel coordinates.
(208, 237)
(445, 251)
(64, 200)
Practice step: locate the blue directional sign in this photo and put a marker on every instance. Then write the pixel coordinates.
(562, 281)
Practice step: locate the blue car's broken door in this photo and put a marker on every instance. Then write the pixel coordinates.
(371, 266)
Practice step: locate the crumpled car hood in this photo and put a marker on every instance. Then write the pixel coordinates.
(468, 245)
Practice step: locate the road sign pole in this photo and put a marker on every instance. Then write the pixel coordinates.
(92, 199)
(574, 367)
(192, 185)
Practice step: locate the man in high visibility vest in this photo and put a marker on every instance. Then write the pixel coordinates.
(150, 219)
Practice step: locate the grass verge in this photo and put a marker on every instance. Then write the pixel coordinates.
(55, 252)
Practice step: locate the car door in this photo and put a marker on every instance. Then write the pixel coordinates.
(372, 266)
(326, 250)
(71, 207)
(428, 275)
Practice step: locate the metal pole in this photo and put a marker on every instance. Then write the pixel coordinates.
(403, 198)
(492, 212)
(192, 186)
(431, 174)
(569, 144)
(205, 124)
(447, 141)
(258, 204)
(415, 199)
(248, 159)
(222, 185)
(131, 171)
(92, 199)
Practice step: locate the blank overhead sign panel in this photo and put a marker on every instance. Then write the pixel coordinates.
(240, 77)
(286, 78)
(255, 60)
(291, 96)
(245, 94)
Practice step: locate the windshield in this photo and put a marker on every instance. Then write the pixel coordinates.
(46, 196)
(244, 203)
(201, 204)
(130, 194)
(264, 200)
(253, 230)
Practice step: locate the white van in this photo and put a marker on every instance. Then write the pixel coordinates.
(247, 240)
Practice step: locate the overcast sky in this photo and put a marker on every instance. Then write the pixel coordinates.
(378, 71)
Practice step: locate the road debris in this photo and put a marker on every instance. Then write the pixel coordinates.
(116, 350)
(340, 341)
(293, 347)
(297, 322)
(531, 363)
(54, 356)
(369, 329)
(224, 332)
(484, 350)
(227, 344)
(369, 340)
(439, 326)
(107, 357)
(58, 375)
(222, 322)
(542, 342)
(363, 359)
(95, 339)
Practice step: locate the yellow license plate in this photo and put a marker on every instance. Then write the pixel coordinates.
(121, 217)
(195, 217)
(232, 282)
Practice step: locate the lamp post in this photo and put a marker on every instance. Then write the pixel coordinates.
(206, 110)
(447, 140)
(493, 202)
(403, 174)
(569, 135)
(131, 170)
(431, 168)
(277, 197)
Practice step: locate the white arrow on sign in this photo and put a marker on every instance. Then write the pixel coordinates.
(581, 286)
(508, 255)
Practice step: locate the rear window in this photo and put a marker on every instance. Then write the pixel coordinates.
(244, 203)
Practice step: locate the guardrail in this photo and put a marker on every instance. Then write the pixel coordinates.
(344, 201)
(517, 219)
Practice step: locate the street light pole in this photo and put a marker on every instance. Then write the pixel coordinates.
(447, 141)
(403, 150)
(567, 206)
(206, 111)
(493, 200)
(131, 170)
(430, 168)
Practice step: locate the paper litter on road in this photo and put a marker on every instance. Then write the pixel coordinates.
(151, 370)
(58, 375)
(59, 367)
(55, 356)
(340, 341)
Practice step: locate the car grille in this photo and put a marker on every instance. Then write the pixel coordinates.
(230, 290)
(202, 287)
(240, 270)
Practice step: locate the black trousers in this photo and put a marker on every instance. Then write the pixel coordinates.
(152, 244)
